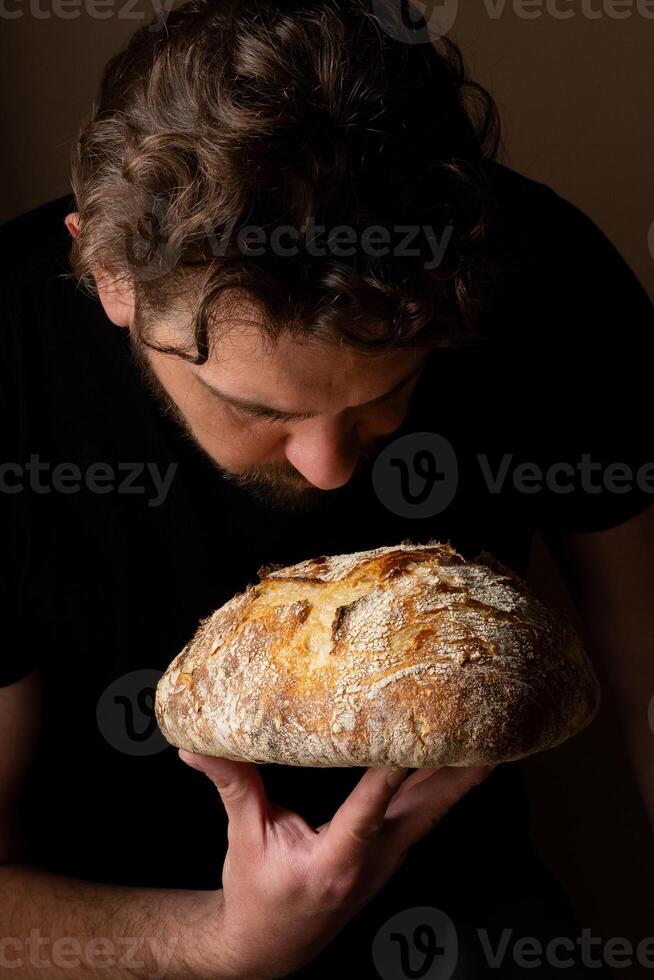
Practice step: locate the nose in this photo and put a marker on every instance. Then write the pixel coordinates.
(324, 451)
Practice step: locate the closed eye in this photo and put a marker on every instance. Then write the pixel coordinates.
(253, 411)
(270, 416)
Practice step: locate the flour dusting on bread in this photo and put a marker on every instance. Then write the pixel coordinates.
(407, 655)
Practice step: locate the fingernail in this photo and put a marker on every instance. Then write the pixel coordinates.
(395, 777)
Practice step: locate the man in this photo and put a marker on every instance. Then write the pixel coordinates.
(223, 402)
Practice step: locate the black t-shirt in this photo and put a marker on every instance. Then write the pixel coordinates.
(105, 575)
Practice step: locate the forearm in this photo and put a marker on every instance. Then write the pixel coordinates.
(54, 926)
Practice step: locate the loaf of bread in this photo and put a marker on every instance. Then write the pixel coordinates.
(407, 655)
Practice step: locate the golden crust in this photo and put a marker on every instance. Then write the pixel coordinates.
(406, 655)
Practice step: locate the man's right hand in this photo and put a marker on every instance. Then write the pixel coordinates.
(288, 888)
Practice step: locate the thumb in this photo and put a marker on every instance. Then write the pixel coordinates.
(239, 784)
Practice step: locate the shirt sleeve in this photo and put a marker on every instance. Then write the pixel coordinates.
(591, 409)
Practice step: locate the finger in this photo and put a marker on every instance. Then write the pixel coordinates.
(241, 790)
(416, 777)
(417, 810)
(360, 818)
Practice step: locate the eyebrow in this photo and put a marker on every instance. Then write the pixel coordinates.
(267, 411)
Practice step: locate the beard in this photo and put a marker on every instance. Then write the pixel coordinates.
(277, 485)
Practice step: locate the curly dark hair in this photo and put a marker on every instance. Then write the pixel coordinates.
(279, 113)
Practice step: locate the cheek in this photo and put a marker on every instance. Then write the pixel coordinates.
(257, 443)
(227, 438)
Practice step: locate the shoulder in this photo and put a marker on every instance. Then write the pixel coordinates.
(524, 197)
(37, 288)
(35, 243)
(560, 270)
(45, 318)
(533, 217)
(537, 219)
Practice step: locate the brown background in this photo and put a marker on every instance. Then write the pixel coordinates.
(576, 102)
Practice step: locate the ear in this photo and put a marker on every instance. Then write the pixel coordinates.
(72, 223)
(117, 298)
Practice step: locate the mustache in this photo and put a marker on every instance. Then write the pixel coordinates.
(278, 485)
